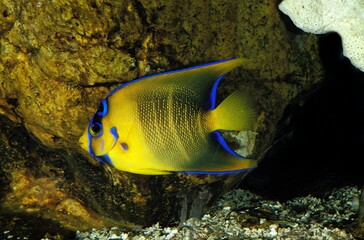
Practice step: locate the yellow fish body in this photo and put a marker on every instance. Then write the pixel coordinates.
(168, 123)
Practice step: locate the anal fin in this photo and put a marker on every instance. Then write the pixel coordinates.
(225, 165)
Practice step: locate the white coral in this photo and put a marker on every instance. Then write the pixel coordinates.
(346, 17)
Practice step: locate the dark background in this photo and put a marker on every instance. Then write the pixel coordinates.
(319, 143)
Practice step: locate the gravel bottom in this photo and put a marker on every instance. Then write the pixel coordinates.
(240, 214)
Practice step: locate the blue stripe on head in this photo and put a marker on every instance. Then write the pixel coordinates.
(114, 133)
(99, 159)
(218, 136)
(213, 93)
(103, 108)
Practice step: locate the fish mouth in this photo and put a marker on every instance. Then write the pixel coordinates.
(102, 156)
(83, 141)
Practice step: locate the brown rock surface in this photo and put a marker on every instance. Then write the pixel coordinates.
(58, 59)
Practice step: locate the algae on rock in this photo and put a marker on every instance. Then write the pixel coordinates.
(58, 59)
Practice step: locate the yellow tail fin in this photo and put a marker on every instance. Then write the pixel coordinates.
(234, 113)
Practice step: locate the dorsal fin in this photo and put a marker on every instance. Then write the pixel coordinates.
(202, 79)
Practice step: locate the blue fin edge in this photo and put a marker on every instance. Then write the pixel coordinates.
(218, 136)
(213, 93)
(169, 72)
(114, 133)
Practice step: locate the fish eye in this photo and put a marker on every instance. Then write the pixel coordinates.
(95, 129)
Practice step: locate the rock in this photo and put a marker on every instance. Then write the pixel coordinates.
(58, 59)
(324, 16)
(259, 219)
